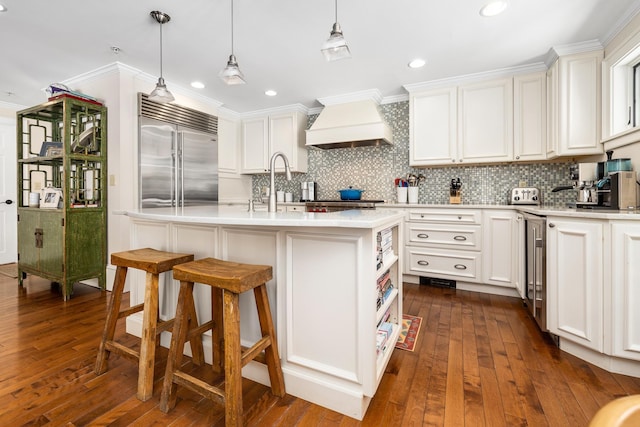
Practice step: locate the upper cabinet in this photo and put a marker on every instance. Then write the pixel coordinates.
(264, 135)
(573, 105)
(485, 121)
(228, 145)
(491, 121)
(529, 117)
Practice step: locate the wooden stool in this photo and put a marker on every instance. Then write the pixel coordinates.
(227, 280)
(153, 262)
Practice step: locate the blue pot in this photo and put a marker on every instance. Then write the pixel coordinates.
(350, 194)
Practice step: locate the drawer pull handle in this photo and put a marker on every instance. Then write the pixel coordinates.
(423, 262)
(423, 236)
(460, 267)
(459, 238)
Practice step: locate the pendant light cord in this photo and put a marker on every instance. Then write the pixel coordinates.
(231, 27)
(161, 50)
(336, 10)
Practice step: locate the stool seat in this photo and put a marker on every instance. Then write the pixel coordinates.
(231, 276)
(153, 262)
(150, 260)
(227, 280)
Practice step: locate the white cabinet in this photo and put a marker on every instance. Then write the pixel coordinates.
(501, 248)
(575, 287)
(529, 117)
(574, 86)
(470, 123)
(262, 136)
(228, 145)
(485, 121)
(444, 244)
(625, 278)
(433, 129)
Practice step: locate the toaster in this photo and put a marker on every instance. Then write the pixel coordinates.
(525, 196)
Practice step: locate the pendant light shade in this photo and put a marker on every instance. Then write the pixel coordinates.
(161, 94)
(231, 74)
(336, 46)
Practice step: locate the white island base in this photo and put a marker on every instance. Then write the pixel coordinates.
(323, 292)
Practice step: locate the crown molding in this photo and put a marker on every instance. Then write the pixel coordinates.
(363, 95)
(570, 49)
(276, 110)
(621, 23)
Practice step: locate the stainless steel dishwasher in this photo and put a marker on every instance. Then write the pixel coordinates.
(536, 268)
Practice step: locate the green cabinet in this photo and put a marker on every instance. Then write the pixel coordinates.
(62, 192)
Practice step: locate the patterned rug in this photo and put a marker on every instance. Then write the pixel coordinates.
(409, 332)
(9, 270)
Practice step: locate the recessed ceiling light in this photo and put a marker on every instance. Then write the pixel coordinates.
(270, 92)
(417, 63)
(494, 7)
(197, 85)
(3, 8)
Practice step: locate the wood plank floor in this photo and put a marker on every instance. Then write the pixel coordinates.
(480, 361)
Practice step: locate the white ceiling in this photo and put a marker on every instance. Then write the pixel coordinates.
(277, 42)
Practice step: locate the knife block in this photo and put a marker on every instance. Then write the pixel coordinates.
(455, 197)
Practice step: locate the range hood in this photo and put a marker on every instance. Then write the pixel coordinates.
(352, 124)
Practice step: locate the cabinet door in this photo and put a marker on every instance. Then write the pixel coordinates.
(625, 277)
(28, 254)
(579, 104)
(552, 111)
(575, 281)
(255, 147)
(286, 135)
(529, 117)
(485, 121)
(500, 248)
(228, 146)
(433, 132)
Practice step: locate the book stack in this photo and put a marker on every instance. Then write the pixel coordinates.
(382, 337)
(384, 247)
(384, 286)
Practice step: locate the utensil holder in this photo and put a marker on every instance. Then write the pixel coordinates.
(455, 197)
(413, 194)
(402, 194)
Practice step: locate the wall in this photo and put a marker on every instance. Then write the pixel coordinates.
(375, 168)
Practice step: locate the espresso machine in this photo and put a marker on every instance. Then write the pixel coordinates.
(585, 179)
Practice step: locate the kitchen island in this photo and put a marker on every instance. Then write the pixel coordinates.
(324, 293)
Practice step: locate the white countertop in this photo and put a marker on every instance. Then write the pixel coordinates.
(226, 215)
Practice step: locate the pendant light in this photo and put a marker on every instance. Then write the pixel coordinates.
(336, 46)
(161, 94)
(231, 74)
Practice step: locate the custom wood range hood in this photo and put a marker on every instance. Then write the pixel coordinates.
(351, 124)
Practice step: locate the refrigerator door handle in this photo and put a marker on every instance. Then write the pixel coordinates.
(180, 171)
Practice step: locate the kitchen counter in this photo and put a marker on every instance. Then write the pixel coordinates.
(563, 211)
(225, 215)
(326, 269)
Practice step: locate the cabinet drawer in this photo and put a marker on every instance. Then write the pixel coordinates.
(454, 264)
(445, 236)
(296, 208)
(458, 216)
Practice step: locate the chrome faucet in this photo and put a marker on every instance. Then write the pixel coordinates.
(272, 173)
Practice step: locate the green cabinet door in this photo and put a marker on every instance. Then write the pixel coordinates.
(28, 222)
(51, 253)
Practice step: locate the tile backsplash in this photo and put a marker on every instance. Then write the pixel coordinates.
(374, 169)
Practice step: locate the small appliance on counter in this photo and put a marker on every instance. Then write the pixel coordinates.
(308, 191)
(525, 196)
(618, 191)
(585, 180)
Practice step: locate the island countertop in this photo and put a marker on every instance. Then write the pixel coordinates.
(225, 215)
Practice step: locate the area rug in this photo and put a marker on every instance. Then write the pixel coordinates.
(409, 332)
(9, 270)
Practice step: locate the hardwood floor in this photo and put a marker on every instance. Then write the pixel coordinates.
(480, 361)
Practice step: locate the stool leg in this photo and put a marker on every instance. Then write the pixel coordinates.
(148, 338)
(195, 341)
(176, 349)
(112, 319)
(217, 332)
(232, 360)
(271, 352)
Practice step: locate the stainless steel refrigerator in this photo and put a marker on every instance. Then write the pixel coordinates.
(178, 165)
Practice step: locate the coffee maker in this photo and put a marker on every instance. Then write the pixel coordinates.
(618, 190)
(585, 179)
(308, 191)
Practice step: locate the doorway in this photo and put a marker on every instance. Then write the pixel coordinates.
(8, 212)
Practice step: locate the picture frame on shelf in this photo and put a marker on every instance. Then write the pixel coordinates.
(51, 198)
(51, 148)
